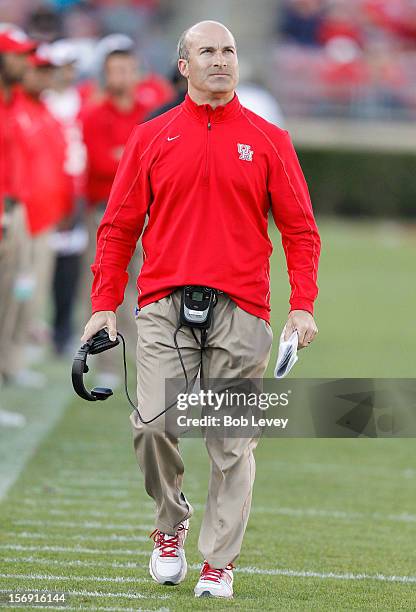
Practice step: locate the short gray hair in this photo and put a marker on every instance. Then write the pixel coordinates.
(183, 51)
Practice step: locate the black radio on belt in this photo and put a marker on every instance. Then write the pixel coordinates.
(197, 305)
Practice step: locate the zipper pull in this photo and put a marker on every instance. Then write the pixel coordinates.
(209, 125)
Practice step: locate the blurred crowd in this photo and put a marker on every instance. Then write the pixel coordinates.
(352, 58)
(61, 138)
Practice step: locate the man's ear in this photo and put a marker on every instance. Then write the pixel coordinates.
(183, 67)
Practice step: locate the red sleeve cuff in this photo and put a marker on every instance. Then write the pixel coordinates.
(301, 304)
(103, 303)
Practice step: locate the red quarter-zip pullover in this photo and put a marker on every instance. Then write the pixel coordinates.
(207, 179)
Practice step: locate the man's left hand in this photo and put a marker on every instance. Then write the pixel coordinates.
(304, 323)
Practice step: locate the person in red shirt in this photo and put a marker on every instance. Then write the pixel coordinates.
(14, 50)
(15, 283)
(44, 187)
(205, 174)
(107, 126)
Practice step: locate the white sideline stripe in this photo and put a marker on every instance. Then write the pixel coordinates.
(85, 525)
(76, 549)
(119, 579)
(111, 537)
(79, 563)
(102, 594)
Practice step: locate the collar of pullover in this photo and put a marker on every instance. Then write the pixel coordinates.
(205, 112)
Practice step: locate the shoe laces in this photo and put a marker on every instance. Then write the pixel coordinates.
(168, 544)
(212, 574)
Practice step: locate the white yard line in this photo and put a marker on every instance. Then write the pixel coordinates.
(336, 514)
(103, 483)
(326, 575)
(322, 575)
(69, 492)
(62, 501)
(111, 537)
(345, 469)
(101, 514)
(85, 525)
(403, 517)
(242, 570)
(79, 563)
(118, 579)
(73, 549)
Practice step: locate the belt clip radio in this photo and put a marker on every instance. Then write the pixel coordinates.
(197, 305)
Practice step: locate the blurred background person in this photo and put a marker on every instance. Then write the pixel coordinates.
(255, 95)
(70, 238)
(107, 126)
(16, 281)
(152, 89)
(45, 187)
(301, 20)
(179, 85)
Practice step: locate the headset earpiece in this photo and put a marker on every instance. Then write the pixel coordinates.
(98, 343)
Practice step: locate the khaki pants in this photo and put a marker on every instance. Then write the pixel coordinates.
(238, 346)
(14, 313)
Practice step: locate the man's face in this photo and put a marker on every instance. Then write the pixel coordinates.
(212, 67)
(14, 66)
(121, 74)
(37, 79)
(65, 76)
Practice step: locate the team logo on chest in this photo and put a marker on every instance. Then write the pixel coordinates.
(245, 152)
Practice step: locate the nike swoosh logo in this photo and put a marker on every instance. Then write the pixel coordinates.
(173, 137)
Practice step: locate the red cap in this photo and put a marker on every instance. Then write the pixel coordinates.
(15, 41)
(38, 61)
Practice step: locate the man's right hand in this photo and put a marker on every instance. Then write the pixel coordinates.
(99, 320)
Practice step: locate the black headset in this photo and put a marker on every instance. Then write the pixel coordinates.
(101, 342)
(97, 344)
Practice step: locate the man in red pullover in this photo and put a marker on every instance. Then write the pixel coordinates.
(206, 173)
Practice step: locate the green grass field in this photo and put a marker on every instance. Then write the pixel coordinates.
(333, 521)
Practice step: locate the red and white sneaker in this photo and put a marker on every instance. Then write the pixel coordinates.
(167, 564)
(215, 582)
